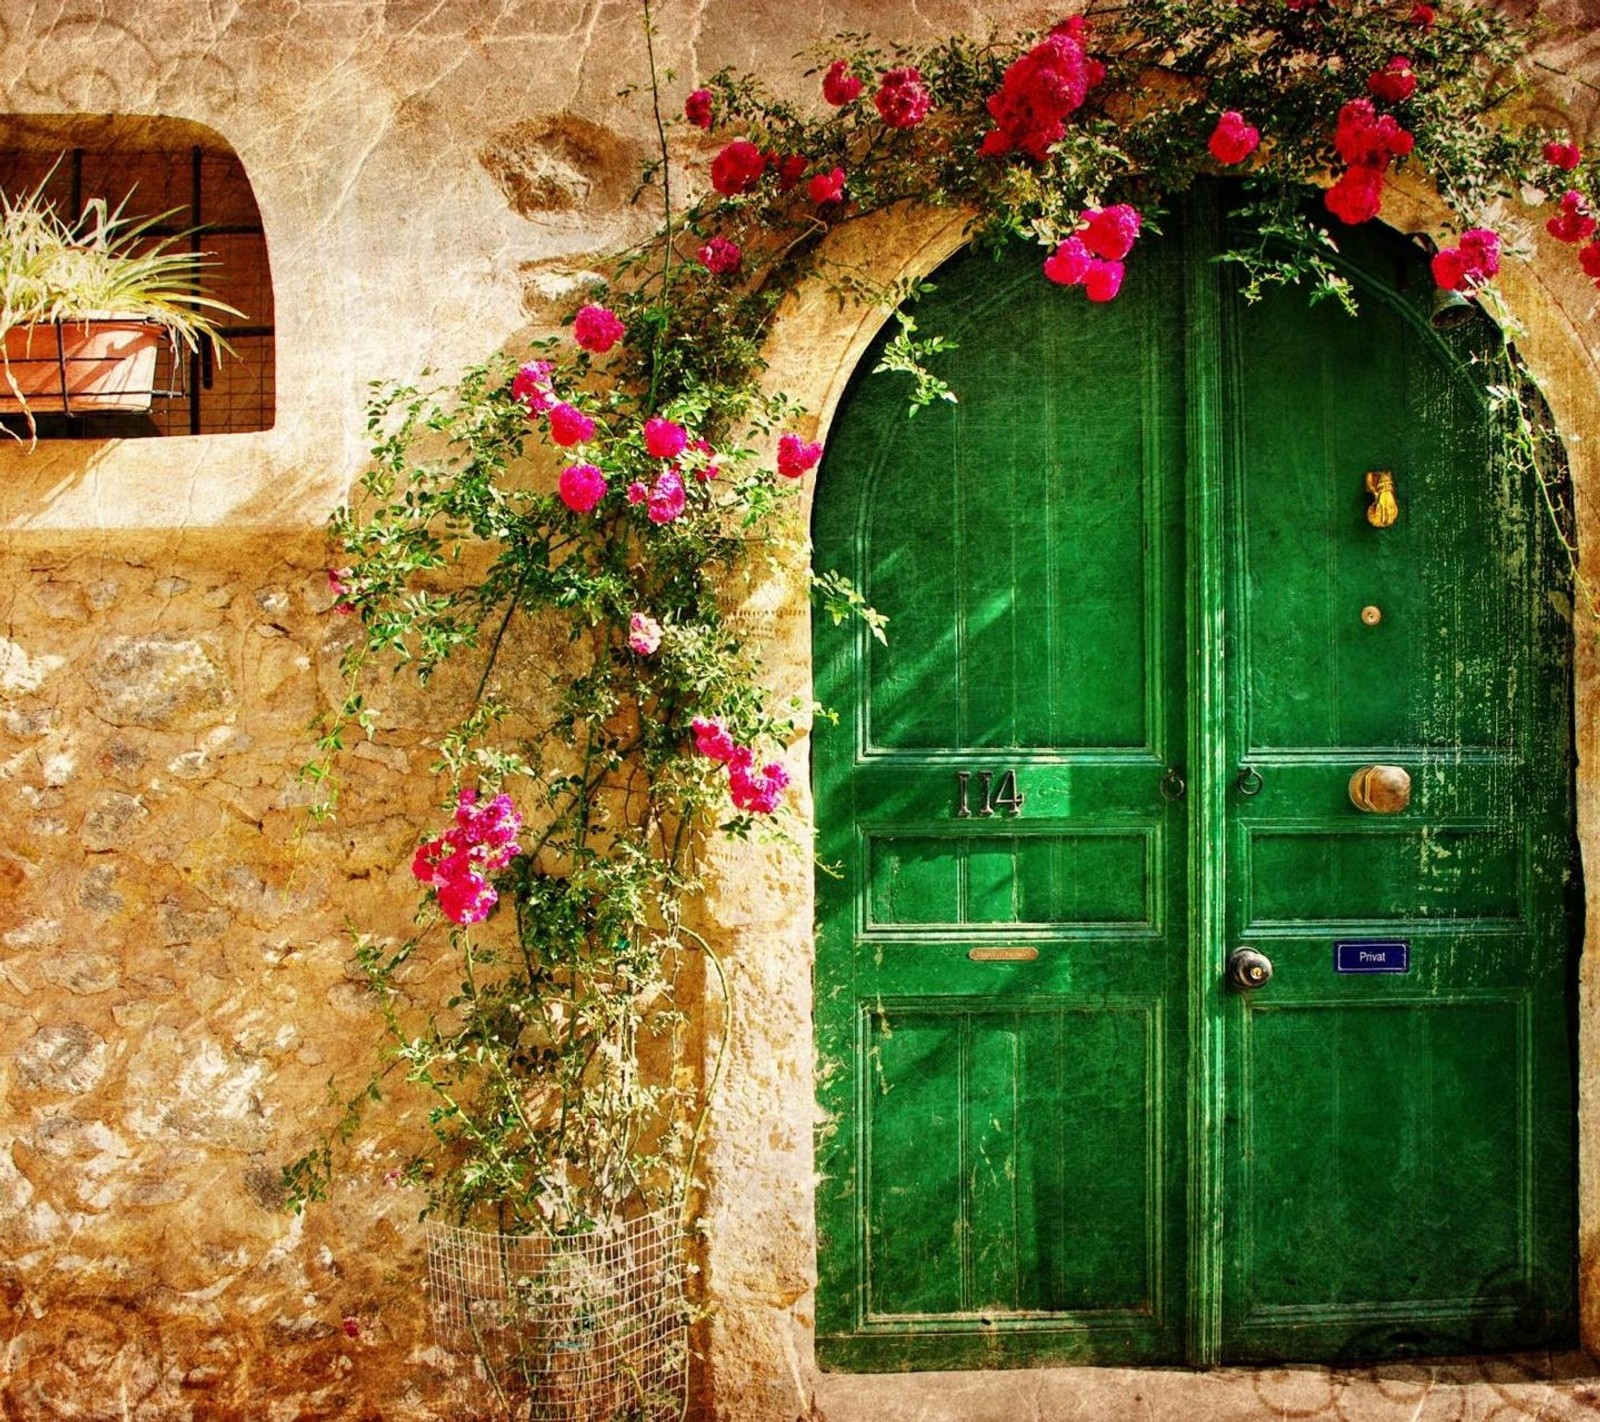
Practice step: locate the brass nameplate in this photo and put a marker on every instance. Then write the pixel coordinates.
(1002, 955)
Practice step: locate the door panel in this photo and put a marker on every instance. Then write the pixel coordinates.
(1020, 1016)
(1000, 1009)
(1388, 1134)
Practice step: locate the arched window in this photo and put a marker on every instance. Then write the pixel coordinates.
(189, 172)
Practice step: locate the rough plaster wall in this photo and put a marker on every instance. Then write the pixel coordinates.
(435, 177)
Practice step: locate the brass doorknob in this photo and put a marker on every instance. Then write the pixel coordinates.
(1380, 789)
(1249, 969)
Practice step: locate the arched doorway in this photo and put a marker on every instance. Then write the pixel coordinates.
(1143, 636)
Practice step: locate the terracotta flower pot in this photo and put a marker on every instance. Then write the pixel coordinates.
(79, 367)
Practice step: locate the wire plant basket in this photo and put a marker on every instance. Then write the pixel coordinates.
(576, 1328)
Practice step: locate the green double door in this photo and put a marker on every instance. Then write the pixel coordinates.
(1142, 635)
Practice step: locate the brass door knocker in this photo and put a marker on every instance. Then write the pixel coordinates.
(1384, 509)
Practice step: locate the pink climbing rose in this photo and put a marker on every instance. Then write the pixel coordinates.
(1395, 82)
(737, 168)
(1069, 263)
(711, 739)
(531, 386)
(569, 425)
(667, 498)
(1233, 140)
(796, 456)
(839, 85)
(596, 329)
(755, 791)
(1110, 232)
(644, 634)
(1574, 222)
(697, 108)
(1103, 280)
(664, 439)
(902, 100)
(581, 487)
(827, 187)
(1565, 156)
(720, 257)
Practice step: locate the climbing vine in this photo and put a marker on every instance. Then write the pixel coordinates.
(566, 521)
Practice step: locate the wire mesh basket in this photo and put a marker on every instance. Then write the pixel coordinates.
(581, 1328)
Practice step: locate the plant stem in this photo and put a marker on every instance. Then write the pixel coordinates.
(666, 213)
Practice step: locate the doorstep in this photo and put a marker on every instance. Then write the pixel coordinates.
(1541, 1387)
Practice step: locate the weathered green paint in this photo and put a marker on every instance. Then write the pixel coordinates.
(1138, 545)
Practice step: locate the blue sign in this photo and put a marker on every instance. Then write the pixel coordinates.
(1372, 955)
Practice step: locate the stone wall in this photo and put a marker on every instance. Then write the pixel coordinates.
(176, 991)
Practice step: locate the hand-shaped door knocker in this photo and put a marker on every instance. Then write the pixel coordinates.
(1384, 509)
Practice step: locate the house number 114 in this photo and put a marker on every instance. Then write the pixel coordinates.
(1005, 795)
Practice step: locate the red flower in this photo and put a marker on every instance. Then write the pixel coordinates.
(1395, 82)
(697, 108)
(796, 455)
(1424, 16)
(720, 257)
(827, 187)
(1469, 264)
(1233, 140)
(737, 167)
(1103, 280)
(758, 793)
(1068, 263)
(839, 85)
(711, 738)
(1110, 231)
(789, 170)
(1573, 223)
(597, 329)
(1589, 260)
(667, 498)
(1565, 156)
(1038, 91)
(569, 425)
(901, 100)
(1357, 196)
(1367, 141)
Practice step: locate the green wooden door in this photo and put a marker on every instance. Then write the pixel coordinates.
(1132, 665)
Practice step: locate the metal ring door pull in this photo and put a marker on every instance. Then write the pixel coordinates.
(1249, 780)
(1248, 969)
(1173, 784)
(1380, 789)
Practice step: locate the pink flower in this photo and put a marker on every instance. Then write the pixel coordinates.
(664, 439)
(339, 586)
(644, 634)
(1357, 195)
(711, 738)
(1037, 93)
(1068, 263)
(901, 100)
(569, 425)
(1589, 260)
(758, 793)
(839, 85)
(667, 498)
(1565, 156)
(467, 898)
(697, 108)
(1395, 82)
(488, 832)
(1424, 16)
(637, 493)
(531, 385)
(581, 487)
(720, 257)
(1110, 232)
(737, 168)
(597, 329)
(1233, 140)
(796, 456)
(827, 187)
(1574, 222)
(1103, 280)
